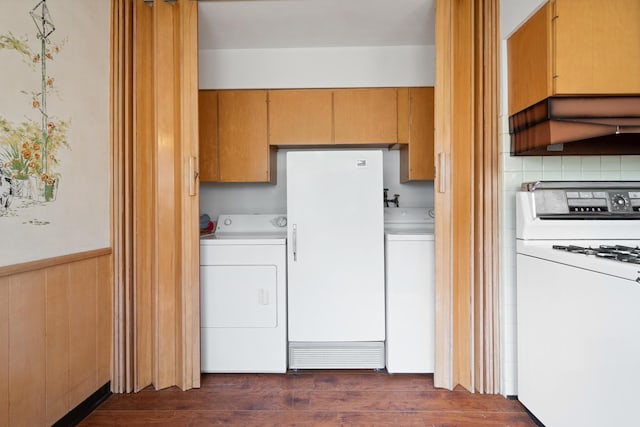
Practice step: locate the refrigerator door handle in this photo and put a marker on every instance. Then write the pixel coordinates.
(294, 243)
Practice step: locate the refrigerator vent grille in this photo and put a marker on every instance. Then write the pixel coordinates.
(336, 355)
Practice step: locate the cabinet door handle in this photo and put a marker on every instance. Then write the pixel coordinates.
(442, 165)
(294, 243)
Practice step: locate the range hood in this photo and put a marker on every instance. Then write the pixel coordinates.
(577, 125)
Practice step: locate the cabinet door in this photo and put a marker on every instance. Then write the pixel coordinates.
(300, 117)
(242, 130)
(529, 61)
(365, 116)
(416, 157)
(596, 47)
(208, 135)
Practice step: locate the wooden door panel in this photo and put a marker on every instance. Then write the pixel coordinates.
(365, 116)
(416, 158)
(208, 135)
(300, 117)
(529, 61)
(596, 47)
(242, 127)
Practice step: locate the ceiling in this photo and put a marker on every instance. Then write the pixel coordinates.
(261, 24)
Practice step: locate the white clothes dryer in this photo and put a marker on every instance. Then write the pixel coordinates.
(243, 295)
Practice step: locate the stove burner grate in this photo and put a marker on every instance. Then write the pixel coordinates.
(613, 252)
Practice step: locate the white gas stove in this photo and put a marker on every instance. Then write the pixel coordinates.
(578, 300)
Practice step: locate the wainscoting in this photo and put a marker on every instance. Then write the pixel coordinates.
(55, 335)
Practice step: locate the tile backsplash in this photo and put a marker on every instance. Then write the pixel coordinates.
(515, 171)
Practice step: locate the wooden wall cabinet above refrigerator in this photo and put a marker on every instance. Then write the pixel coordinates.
(241, 129)
(416, 133)
(365, 116)
(301, 117)
(575, 47)
(234, 145)
(321, 117)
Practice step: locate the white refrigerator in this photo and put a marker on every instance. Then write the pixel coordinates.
(335, 264)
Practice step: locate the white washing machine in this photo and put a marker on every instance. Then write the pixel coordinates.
(243, 295)
(410, 290)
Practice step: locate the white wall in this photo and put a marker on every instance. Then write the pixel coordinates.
(516, 170)
(317, 67)
(266, 198)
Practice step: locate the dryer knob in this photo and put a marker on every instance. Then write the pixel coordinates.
(227, 221)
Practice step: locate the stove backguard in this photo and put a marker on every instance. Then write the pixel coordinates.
(585, 199)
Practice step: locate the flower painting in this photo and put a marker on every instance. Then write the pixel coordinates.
(55, 152)
(29, 166)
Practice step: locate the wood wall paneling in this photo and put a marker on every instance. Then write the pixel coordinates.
(82, 331)
(104, 320)
(42, 264)
(58, 347)
(27, 349)
(4, 351)
(55, 339)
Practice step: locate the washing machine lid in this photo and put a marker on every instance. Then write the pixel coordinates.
(244, 239)
(409, 235)
(409, 223)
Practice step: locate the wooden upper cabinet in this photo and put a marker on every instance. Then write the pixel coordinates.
(365, 116)
(416, 133)
(300, 117)
(575, 47)
(244, 153)
(208, 135)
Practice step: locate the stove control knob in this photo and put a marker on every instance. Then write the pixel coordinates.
(619, 202)
(227, 221)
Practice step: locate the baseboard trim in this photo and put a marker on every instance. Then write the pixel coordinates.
(85, 407)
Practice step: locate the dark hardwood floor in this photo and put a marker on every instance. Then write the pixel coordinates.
(318, 398)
